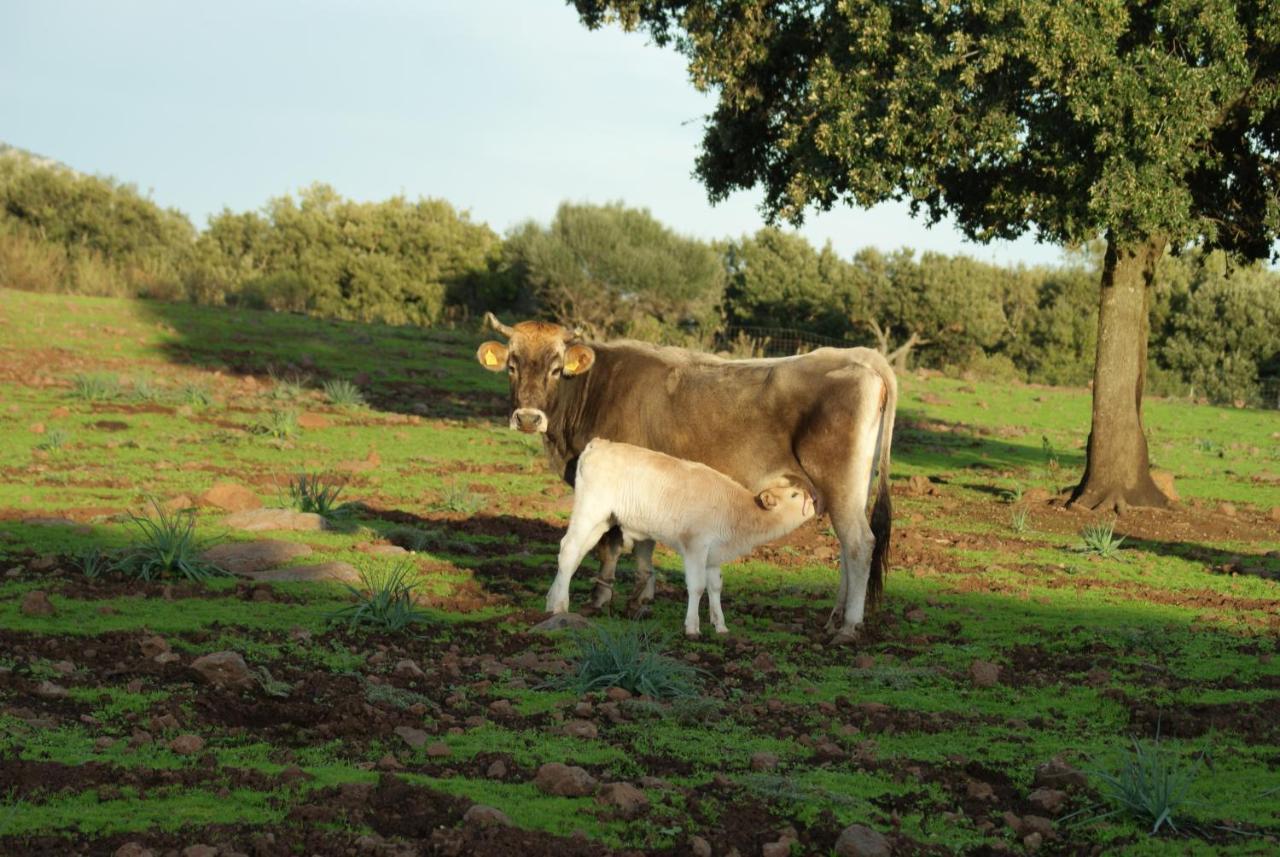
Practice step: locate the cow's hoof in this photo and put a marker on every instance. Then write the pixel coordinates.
(722, 630)
(637, 610)
(845, 638)
(601, 597)
(561, 621)
(693, 635)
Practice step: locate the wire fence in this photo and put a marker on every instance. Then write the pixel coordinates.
(748, 341)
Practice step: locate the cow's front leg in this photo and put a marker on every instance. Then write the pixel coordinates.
(714, 586)
(609, 549)
(646, 580)
(695, 581)
(856, 543)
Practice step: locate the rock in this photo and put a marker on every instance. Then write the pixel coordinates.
(132, 849)
(1037, 824)
(618, 694)
(864, 662)
(1048, 800)
(248, 557)
(1227, 509)
(485, 816)
(407, 668)
(920, 486)
(699, 847)
(334, 570)
(256, 520)
(153, 645)
(37, 603)
(200, 850)
(781, 848)
(763, 663)
(628, 800)
(497, 770)
(167, 658)
(177, 504)
(1057, 774)
(310, 420)
(438, 750)
(978, 790)
(555, 778)
(48, 690)
(230, 497)
(916, 615)
(187, 745)
(1032, 842)
(1164, 481)
(223, 669)
(560, 621)
(415, 738)
(389, 763)
(293, 774)
(64, 667)
(581, 729)
(763, 761)
(984, 674)
(1035, 497)
(860, 841)
(37, 428)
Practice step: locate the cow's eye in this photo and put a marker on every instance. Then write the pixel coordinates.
(511, 368)
(556, 371)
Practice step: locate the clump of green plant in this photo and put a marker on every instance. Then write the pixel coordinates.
(1101, 539)
(95, 388)
(384, 600)
(54, 440)
(271, 685)
(285, 389)
(196, 395)
(143, 389)
(458, 499)
(1050, 454)
(93, 562)
(1012, 495)
(279, 426)
(1152, 785)
(1018, 520)
(631, 658)
(396, 697)
(310, 492)
(167, 546)
(343, 394)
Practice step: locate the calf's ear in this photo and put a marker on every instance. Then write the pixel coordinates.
(492, 356)
(767, 499)
(578, 359)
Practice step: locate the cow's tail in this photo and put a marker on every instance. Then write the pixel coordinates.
(882, 511)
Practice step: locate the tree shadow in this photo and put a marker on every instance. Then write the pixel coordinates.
(943, 445)
(428, 372)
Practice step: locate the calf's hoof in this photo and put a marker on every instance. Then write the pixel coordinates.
(637, 609)
(601, 596)
(723, 629)
(846, 637)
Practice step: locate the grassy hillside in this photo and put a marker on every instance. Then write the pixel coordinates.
(106, 405)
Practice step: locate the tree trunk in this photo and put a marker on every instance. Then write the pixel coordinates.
(1117, 471)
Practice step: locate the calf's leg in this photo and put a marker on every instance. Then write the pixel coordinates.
(609, 549)
(646, 580)
(695, 581)
(714, 585)
(584, 531)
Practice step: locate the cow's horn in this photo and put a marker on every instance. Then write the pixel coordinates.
(491, 320)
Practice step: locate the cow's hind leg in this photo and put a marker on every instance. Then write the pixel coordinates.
(856, 543)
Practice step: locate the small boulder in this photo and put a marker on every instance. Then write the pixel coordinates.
(132, 849)
(1227, 509)
(415, 738)
(859, 841)
(561, 621)
(407, 668)
(153, 645)
(256, 520)
(230, 497)
(338, 570)
(497, 770)
(984, 674)
(581, 729)
(389, 763)
(187, 745)
(37, 603)
(49, 690)
(223, 669)
(1057, 774)
(248, 557)
(480, 815)
(628, 800)
(438, 750)
(699, 847)
(555, 778)
(763, 761)
(200, 850)
(1049, 801)
(920, 486)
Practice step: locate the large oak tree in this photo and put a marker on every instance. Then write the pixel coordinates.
(1155, 125)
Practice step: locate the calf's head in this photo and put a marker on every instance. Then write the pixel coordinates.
(538, 356)
(790, 495)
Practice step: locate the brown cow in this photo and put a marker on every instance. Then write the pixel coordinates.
(827, 414)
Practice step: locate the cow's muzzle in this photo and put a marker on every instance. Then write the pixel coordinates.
(529, 420)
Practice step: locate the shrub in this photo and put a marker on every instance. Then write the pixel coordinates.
(1152, 785)
(311, 493)
(343, 394)
(167, 547)
(630, 658)
(384, 601)
(1101, 539)
(95, 388)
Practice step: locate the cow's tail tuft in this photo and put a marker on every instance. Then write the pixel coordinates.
(882, 512)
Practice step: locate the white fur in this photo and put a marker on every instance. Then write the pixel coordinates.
(705, 515)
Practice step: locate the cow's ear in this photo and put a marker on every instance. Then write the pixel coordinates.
(578, 359)
(492, 356)
(767, 499)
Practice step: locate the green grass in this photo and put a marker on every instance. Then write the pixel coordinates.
(384, 600)
(166, 546)
(1168, 626)
(633, 658)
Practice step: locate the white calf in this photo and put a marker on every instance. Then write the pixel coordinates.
(688, 506)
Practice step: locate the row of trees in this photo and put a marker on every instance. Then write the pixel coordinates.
(618, 271)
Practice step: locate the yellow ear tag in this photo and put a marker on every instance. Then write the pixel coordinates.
(489, 359)
(571, 367)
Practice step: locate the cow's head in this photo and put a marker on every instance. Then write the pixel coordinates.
(537, 356)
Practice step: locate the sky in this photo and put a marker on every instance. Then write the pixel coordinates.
(505, 108)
